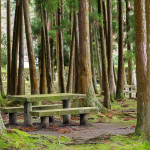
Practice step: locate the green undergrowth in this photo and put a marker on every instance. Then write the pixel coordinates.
(15, 139)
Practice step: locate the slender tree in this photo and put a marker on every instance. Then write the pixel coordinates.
(21, 82)
(104, 61)
(112, 85)
(8, 47)
(33, 77)
(120, 82)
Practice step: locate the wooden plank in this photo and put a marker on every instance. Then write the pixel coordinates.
(125, 91)
(81, 110)
(46, 97)
(129, 86)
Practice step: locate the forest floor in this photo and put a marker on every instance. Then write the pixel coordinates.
(113, 130)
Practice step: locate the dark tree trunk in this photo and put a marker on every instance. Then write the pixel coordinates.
(33, 77)
(120, 82)
(8, 48)
(104, 62)
(21, 82)
(15, 46)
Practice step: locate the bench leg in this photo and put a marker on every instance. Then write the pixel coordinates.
(13, 118)
(84, 119)
(130, 94)
(51, 119)
(66, 118)
(44, 122)
(27, 116)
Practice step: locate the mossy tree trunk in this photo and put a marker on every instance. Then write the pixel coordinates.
(8, 47)
(120, 81)
(85, 76)
(141, 61)
(2, 127)
(92, 56)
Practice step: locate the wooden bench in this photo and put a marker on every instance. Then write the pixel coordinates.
(130, 89)
(83, 111)
(12, 111)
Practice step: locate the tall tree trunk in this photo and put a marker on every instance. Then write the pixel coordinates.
(43, 79)
(85, 76)
(71, 64)
(112, 85)
(21, 82)
(104, 61)
(2, 127)
(98, 60)
(33, 77)
(141, 61)
(76, 52)
(128, 29)
(52, 54)
(120, 82)
(47, 53)
(92, 56)
(147, 102)
(15, 50)
(8, 47)
(59, 53)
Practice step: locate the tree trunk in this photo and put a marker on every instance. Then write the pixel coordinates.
(21, 82)
(2, 127)
(112, 85)
(47, 53)
(71, 64)
(85, 76)
(147, 102)
(92, 56)
(8, 47)
(15, 46)
(33, 77)
(43, 79)
(120, 82)
(141, 61)
(104, 61)
(76, 53)
(59, 53)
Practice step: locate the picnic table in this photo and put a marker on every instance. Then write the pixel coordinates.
(29, 99)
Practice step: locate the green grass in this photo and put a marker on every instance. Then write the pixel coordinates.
(21, 140)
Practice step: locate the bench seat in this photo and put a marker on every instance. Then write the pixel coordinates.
(12, 111)
(83, 111)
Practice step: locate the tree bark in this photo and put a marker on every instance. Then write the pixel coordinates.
(59, 53)
(104, 61)
(120, 82)
(8, 47)
(147, 102)
(14, 79)
(128, 29)
(112, 85)
(21, 82)
(71, 64)
(33, 77)
(85, 76)
(141, 61)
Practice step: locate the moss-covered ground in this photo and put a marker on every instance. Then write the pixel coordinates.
(122, 111)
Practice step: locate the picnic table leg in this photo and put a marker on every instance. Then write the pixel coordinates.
(66, 118)
(13, 118)
(27, 116)
(130, 94)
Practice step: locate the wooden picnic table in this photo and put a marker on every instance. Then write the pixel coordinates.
(29, 99)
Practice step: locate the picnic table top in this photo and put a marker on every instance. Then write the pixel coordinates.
(47, 97)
